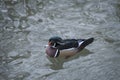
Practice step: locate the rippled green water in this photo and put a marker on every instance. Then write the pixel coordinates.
(26, 26)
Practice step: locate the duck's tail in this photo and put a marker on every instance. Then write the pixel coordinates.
(84, 43)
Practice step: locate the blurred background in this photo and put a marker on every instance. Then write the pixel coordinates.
(26, 26)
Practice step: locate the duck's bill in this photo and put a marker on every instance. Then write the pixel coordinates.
(45, 46)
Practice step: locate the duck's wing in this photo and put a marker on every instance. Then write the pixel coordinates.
(68, 44)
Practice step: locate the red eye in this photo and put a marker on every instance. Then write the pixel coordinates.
(50, 43)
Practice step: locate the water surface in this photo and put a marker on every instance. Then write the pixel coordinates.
(26, 26)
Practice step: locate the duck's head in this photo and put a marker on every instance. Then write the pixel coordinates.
(54, 41)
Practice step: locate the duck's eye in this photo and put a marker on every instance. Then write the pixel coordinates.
(51, 43)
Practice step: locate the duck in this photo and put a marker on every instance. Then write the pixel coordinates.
(58, 47)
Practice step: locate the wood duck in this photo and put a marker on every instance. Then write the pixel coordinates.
(58, 47)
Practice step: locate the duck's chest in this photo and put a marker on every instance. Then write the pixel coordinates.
(52, 52)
